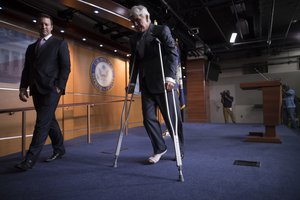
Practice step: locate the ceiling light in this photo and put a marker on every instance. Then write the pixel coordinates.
(115, 50)
(83, 39)
(128, 55)
(101, 8)
(101, 45)
(62, 31)
(194, 30)
(96, 11)
(34, 21)
(233, 37)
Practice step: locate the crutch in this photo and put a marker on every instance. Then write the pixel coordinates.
(123, 123)
(174, 131)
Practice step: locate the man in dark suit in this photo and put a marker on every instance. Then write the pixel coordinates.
(46, 71)
(146, 59)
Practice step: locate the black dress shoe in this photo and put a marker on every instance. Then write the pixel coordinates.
(54, 156)
(24, 165)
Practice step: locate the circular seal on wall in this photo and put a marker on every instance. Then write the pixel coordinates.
(102, 74)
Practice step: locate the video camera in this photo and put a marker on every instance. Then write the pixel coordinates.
(225, 92)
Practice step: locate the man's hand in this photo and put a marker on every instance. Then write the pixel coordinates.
(23, 95)
(169, 85)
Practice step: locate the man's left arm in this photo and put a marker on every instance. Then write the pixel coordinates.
(64, 66)
(171, 55)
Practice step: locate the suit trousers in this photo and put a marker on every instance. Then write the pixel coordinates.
(291, 112)
(150, 103)
(227, 112)
(46, 124)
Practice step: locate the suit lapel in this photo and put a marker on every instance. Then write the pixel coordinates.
(149, 33)
(140, 45)
(36, 47)
(43, 47)
(143, 40)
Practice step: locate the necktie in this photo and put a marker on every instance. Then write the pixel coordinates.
(41, 41)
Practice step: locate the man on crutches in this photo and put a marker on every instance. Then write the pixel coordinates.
(155, 58)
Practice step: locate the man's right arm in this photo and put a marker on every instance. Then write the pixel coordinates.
(23, 94)
(24, 83)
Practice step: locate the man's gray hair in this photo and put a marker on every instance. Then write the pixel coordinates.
(139, 10)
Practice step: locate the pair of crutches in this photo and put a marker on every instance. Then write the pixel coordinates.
(124, 123)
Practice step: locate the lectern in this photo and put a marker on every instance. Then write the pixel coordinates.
(272, 99)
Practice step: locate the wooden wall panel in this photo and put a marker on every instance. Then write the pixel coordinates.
(197, 92)
(73, 120)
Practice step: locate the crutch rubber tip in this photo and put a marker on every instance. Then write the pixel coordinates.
(115, 165)
(181, 179)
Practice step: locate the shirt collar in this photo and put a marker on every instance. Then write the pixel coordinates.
(47, 37)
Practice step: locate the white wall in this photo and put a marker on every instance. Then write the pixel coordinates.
(245, 100)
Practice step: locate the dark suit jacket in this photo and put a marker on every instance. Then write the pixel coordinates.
(47, 67)
(145, 52)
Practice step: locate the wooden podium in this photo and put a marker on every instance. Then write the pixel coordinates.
(272, 100)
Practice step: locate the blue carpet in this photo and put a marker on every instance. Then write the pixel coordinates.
(86, 171)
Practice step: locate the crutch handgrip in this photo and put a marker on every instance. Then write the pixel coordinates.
(157, 40)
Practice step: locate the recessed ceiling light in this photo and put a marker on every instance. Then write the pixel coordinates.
(233, 37)
(96, 11)
(115, 50)
(101, 8)
(34, 21)
(101, 45)
(83, 39)
(62, 31)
